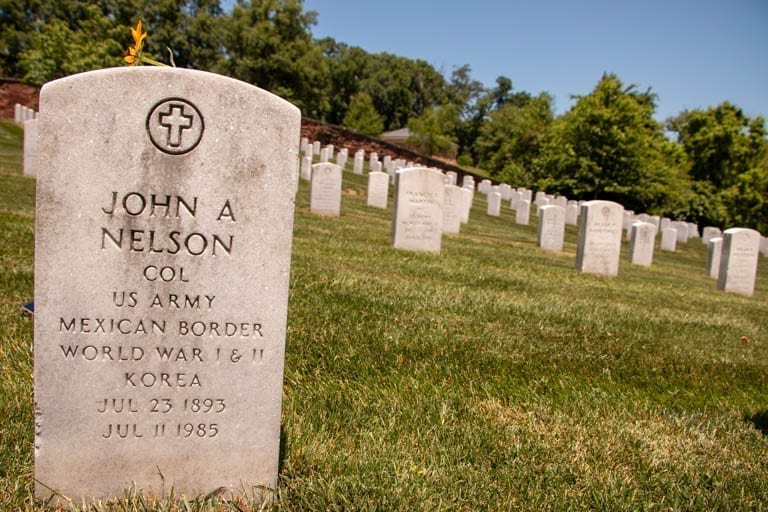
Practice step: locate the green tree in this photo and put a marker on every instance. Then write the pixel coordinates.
(608, 146)
(721, 142)
(81, 39)
(511, 140)
(431, 131)
(402, 88)
(362, 116)
(268, 43)
(727, 157)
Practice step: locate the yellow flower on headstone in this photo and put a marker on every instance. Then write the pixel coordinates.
(133, 53)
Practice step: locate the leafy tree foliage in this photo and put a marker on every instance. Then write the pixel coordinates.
(362, 115)
(431, 131)
(268, 43)
(727, 157)
(608, 146)
(511, 140)
(68, 37)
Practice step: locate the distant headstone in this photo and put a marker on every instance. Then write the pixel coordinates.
(599, 242)
(738, 262)
(325, 189)
(572, 213)
(417, 217)
(453, 208)
(642, 242)
(714, 252)
(162, 255)
(551, 229)
(316, 147)
(341, 159)
(357, 167)
(378, 189)
(451, 176)
(522, 212)
(324, 155)
(709, 233)
(30, 147)
(469, 196)
(304, 146)
(682, 230)
(494, 204)
(669, 239)
(305, 171)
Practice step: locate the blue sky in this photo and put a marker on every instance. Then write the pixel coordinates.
(692, 54)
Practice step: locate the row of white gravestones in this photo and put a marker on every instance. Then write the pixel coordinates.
(156, 363)
(22, 114)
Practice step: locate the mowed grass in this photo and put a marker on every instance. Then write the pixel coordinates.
(492, 376)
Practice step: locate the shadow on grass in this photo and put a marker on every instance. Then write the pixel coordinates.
(760, 421)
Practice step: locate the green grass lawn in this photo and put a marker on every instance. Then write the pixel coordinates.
(489, 377)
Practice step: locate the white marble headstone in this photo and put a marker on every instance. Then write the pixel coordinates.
(162, 256)
(417, 216)
(599, 242)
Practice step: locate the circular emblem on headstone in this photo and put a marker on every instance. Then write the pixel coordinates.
(175, 126)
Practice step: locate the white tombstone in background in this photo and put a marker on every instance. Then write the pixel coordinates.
(668, 239)
(738, 261)
(551, 229)
(469, 196)
(693, 230)
(599, 242)
(642, 242)
(523, 213)
(374, 157)
(764, 246)
(484, 187)
(709, 233)
(453, 209)
(316, 146)
(561, 201)
(417, 215)
(656, 221)
(452, 176)
(30, 147)
(341, 159)
(324, 155)
(17, 113)
(375, 166)
(714, 252)
(572, 213)
(514, 197)
(506, 192)
(305, 171)
(358, 163)
(682, 230)
(325, 189)
(304, 146)
(378, 189)
(494, 204)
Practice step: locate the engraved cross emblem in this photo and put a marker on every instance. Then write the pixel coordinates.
(175, 121)
(175, 126)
